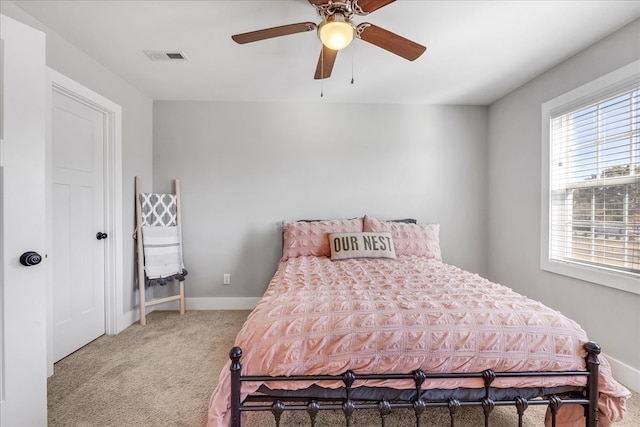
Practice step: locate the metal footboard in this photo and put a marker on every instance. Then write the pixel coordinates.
(277, 406)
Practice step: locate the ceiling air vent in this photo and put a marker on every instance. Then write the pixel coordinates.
(159, 55)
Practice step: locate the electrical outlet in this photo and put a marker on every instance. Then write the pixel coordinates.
(226, 279)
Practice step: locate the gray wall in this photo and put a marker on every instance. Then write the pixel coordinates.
(609, 316)
(137, 125)
(245, 167)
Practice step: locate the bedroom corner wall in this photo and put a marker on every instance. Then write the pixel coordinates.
(245, 167)
(609, 316)
(137, 143)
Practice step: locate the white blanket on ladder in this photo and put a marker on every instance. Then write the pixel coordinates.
(162, 255)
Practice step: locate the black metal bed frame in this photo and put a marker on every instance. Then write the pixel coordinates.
(588, 399)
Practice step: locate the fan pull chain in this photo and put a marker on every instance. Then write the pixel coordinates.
(322, 72)
(352, 56)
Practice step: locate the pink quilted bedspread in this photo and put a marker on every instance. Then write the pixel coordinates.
(383, 316)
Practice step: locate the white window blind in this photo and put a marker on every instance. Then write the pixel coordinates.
(594, 215)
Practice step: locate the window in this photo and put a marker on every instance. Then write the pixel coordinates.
(592, 225)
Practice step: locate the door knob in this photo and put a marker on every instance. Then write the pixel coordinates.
(101, 236)
(30, 258)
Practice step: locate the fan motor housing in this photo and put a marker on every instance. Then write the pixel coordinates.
(332, 8)
(336, 32)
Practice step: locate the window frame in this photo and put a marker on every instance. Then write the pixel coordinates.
(591, 92)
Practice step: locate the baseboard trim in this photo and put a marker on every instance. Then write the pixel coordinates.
(236, 303)
(133, 316)
(233, 303)
(625, 374)
(125, 320)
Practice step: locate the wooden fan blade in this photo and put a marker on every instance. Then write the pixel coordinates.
(267, 33)
(325, 63)
(390, 41)
(367, 6)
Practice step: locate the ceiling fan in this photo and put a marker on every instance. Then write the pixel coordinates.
(337, 30)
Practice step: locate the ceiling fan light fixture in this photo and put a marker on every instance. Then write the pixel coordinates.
(336, 32)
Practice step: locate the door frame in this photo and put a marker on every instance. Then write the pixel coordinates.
(113, 213)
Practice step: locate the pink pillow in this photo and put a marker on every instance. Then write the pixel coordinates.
(409, 239)
(311, 238)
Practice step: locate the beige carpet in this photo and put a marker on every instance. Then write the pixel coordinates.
(163, 375)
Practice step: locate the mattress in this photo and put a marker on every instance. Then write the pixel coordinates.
(319, 316)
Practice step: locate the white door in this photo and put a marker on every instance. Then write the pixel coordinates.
(23, 351)
(78, 235)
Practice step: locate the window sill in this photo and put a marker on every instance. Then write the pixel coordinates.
(623, 282)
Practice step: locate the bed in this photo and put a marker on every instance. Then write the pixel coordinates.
(363, 314)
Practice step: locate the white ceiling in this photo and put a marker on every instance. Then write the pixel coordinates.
(477, 51)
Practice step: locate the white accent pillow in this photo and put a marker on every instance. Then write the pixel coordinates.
(361, 245)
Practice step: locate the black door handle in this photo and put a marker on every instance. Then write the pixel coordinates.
(30, 258)
(101, 236)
